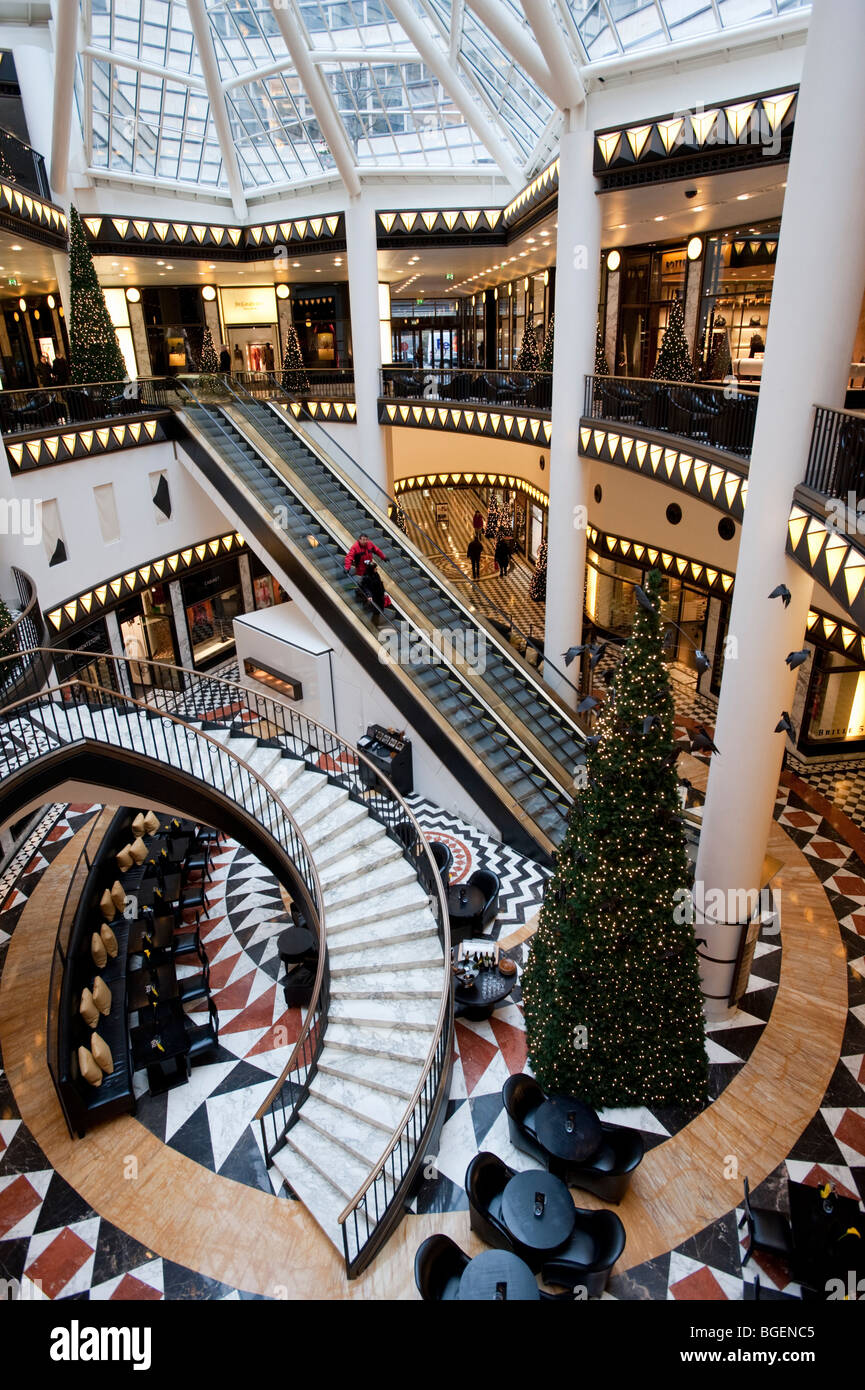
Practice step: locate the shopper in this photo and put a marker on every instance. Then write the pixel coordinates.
(360, 555)
(475, 551)
(61, 371)
(503, 555)
(372, 587)
(478, 523)
(43, 371)
(225, 360)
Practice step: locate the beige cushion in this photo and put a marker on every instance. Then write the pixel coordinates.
(139, 851)
(101, 996)
(123, 860)
(138, 826)
(88, 1067)
(151, 822)
(118, 895)
(98, 951)
(106, 906)
(87, 1009)
(109, 940)
(102, 1054)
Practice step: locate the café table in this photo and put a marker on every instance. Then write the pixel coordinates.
(175, 847)
(816, 1232)
(460, 911)
(498, 1275)
(568, 1128)
(296, 944)
(166, 1063)
(538, 1210)
(477, 1001)
(169, 888)
(146, 986)
(160, 930)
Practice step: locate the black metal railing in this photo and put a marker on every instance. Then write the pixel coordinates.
(21, 164)
(47, 407)
(469, 385)
(721, 417)
(836, 459)
(316, 383)
(25, 670)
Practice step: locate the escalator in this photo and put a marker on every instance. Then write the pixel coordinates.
(502, 757)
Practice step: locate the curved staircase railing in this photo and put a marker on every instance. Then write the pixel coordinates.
(174, 692)
(25, 671)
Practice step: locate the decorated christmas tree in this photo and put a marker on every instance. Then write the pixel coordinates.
(94, 353)
(209, 363)
(722, 359)
(538, 586)
(528, 358)
(506, 517)
(399, 516)
(547, 350)
(674, 359)
(612, 998)
(8, 644)
(494, 517)
(294, 376)
(601, 365)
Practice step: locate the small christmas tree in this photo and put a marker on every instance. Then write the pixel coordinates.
(547, 350)
(94, 353)
(294, 376)
(538, 586)
(399, 516)
(613, 1006)
(674, 360)
(493, 518)
(601, 365)
(722, 359)
(8, 645)
(528, 358)
(209, 363)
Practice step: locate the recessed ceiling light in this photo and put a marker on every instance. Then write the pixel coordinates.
(660, 218)
(211, 267)
(295, 263)
(17, 248)
(160, 263)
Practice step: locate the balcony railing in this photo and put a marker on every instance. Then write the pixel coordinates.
(836, 460)
(49, 407)
(314, 383)
(521, 390)
(721, 417)
(22, 165)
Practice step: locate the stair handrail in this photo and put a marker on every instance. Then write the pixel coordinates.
(446, 560)
(300, 728)
(26, 632)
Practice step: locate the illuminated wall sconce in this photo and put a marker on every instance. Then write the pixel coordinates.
(546, 277)
(22, 305)
(510, 289)
(133, 294)
(50, 301)
(35, 313)
(526, 284)
(282, 292)
(495, 293)
(695, 248)
(614, 260)
(208, 292)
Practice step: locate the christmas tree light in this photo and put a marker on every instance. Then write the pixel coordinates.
(294, 376)
(674, 360)
(547, 350)
(528, 358)
(612, 990)
(538, 586)
(94, 353)
(601, 364)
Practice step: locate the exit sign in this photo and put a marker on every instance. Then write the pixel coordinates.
(12, 283)
(449, 276)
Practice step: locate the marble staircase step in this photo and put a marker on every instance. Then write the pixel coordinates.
(359, 861)
(424, 981)
(333, 1161)
(412, 926)
(362, 833)
(416, 1016)
(376, 882)
(397, 1078)
(323, 1201)
(398, 955)
(376, 1108)
(408, 897)
(369, 1041)
(365, 1141)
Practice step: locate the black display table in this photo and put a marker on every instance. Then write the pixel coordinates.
(295, 944)
(473, 906)
(568, 1128)
(818, 1256)
(160, 931)
(166, 1064)
(538, 1210)
(498, 1275)
(169, 888)
(145, 986)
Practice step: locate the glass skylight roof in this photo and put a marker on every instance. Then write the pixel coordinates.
(146, 107)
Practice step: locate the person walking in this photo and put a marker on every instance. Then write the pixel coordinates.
(503, 555)
(478, 523)
(372, 588)
(475, 551)
(225, 361)
(360, 555)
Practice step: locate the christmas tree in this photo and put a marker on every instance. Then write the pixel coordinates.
(494, 516)
(611, 990)
(94, 353)
(528, 357)
(674, 360)
(209, 363)
(538, 586)
(601, 366)
(399, 516)
(722, 360)
(547, 350)
(294, 376)
(8, 645)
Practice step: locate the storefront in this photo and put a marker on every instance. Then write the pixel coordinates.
(651, 278)
(91, 646)
(425, 332)
(249, 317)
(834, 717)
(267, 591)
(148, 633)
(320, 315)
(611, 606)
(734, 306)
(174, 322)
(31, 329)
(212, 599)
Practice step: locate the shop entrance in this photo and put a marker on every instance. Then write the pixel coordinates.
(147, 634)
(254, 349)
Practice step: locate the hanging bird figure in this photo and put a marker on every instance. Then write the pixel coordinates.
(794, 659)
(701, 661)
(702, 743)
(783, 593)
(785, 725)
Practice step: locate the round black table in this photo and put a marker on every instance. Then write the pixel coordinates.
(473, 905)
(537, 1191)
(568, 1128)
(497, 1274)
(295, 944)
(489, 989)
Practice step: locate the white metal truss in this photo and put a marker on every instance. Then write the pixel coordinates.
(207, 57)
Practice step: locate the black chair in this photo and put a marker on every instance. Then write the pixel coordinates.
(299, 986)
(768, 1230)
(486, 1179)
(522, 1096)
(188, 943)
(194, 896)
(438, 1268)
(444, 859)
(406, 834)
(195, 986)
(198, 862)
(597, 1241)
(490, 886)
(608, 1172)
(203, 1038)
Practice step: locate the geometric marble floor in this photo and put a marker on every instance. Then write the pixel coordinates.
(48, 1233)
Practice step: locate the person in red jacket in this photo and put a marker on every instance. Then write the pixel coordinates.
(360, 555)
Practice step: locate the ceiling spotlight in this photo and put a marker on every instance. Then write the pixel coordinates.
(208, 292)
(22, 304)
(17, 248)
(295, 264)
(133, 294)
(282, 291)
(742, 197)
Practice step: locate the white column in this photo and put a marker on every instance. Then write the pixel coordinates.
(365, 340)
(811, 332)
(35, 73)
(184, 648)
(65, 30)
(578, 257)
